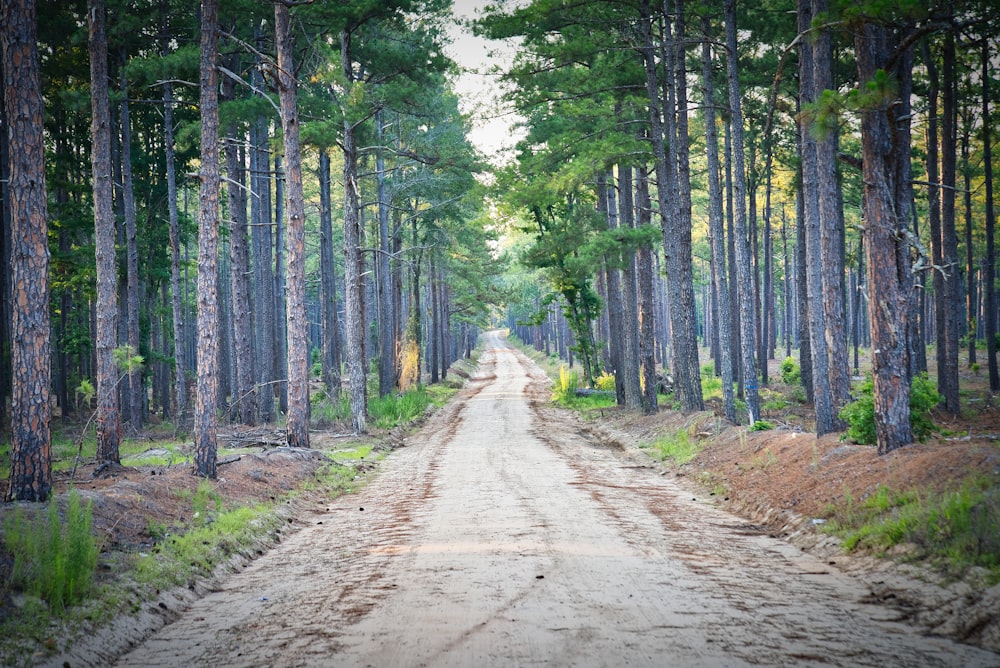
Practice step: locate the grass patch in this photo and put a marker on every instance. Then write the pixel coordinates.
(396, 409)
(678, 447)
(54, 558)
(955, 530)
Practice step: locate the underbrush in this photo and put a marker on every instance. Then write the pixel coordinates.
(677, 447)
(955, 529)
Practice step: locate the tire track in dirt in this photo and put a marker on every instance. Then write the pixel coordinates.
(500, 535)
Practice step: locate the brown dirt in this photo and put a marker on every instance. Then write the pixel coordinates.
(778, 481)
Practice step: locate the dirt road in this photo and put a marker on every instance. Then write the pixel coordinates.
(501, 537)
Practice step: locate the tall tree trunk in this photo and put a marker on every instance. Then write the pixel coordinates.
(681, 140)
(831, 232)
(180, 365)
(934, 214)
(990, 262)
(205, 418)
(826, 420)
(631, 364)
(108, 419)
(715, 227)
(297, 416)
(885, 149)
(328, 282)
(244, 404)
(971, 296)
(744, 274)
(433, 336)
(31, 453)
(952, 293)
(688, 382)
(387, 344)
(280, 297)
(646, 300)
(135, 381)
(263, 254)
(606, 205)
(354, 325)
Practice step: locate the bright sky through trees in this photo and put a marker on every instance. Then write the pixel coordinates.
(480, 91)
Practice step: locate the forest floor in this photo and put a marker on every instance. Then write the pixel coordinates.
(783, 482)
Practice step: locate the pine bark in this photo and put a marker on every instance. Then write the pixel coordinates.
(244, 402)
(297, 416)
(388, 351)
(720, 278)
(822, 394)
(831, 231)
(952, 293)
(31, 454)
(885, 127)
(646, 299)
(354, 325)
(744, 274)
(205, 419)
(688, 382)
(108, 418)
(328, 283)
(262, 239)
(179, 352)
(990, 261)
(631, 364)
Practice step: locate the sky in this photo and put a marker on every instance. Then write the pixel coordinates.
(492, 130)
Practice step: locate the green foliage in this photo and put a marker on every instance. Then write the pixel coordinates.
(54, 560)
(678, 447)
(958, 528)
(85, 392)
(127, 359)
(791, 374)
(605, 382)
(397, 409)
(565, 387)
(860, 414)
(761, 425)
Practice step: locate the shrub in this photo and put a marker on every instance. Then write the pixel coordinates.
(790, 372)
(605, 382)
(860, 414)
(565, 388)
(54, 560)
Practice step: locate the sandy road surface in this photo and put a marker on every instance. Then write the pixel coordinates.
(499, 537)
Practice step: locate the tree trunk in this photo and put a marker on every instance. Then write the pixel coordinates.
(328, 282)
(826, 420)
(108, 419)
(885, 128)
(646, 300)
(934, 214)
(263, 254)
(205, 419)
(387, 344)
(245, 392)
(971, 296)
(280, 298)
(715, 226)
(687, 379)
(952, 294)
(831, 232)
(990, 262)
(631, 364)
(135, 380)
(31, 454)
(180, 366)
(297, 416)
(354, 325)
(743, 270)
